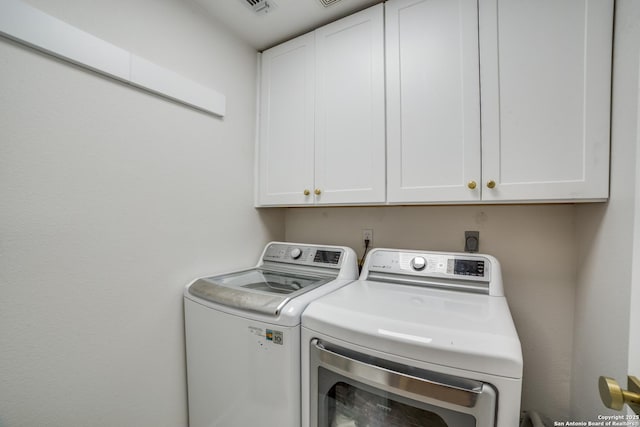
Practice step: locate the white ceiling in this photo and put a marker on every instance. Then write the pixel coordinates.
(289, 19)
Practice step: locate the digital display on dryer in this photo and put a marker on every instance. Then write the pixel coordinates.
(327, 257)
(467, 267)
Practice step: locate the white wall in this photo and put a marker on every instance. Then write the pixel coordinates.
(633, 361)
(535, 245)
(111, 199)
(605, 237)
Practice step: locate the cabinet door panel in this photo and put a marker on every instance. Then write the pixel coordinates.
(433, 100)
(350, 139)
(287, 123)
(546, 79)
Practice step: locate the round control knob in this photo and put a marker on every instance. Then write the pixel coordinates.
(295, 253)
(418, 263)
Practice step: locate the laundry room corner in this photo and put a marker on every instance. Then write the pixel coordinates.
(535, 245)
(606, 246)
(313, 213)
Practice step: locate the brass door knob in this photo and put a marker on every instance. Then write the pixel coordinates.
(614, 397)
(306, 192)
(317, 192)
(472, 185)
(491, 184)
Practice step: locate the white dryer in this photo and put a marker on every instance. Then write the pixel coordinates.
(422, 339)
(243, 334)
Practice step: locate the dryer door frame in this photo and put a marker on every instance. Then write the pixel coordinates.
(438, 393)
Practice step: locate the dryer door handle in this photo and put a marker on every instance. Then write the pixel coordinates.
(385, 375)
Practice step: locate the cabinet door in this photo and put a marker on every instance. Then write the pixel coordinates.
(433, 100)
(546, 77)
(286, 123)
(350, 140)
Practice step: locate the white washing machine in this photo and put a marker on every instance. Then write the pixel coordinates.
(422, 339)
(243, 334)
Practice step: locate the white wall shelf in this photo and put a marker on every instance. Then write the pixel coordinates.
(34, 28)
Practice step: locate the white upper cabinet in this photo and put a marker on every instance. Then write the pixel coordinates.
(487, 101)
(286, 131)
(531, 123)
(322, 126)
(350, 125)
(545, 68)
(433, 101)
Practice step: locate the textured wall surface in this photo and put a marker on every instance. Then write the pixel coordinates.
(605, 237)
(111, 200)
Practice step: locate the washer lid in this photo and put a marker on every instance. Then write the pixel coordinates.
(469, 331)
(258, 289)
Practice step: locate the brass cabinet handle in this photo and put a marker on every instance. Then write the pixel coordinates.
(491, 184)
(472, 185)
(614, 397)
(306, 192)
(317, 192)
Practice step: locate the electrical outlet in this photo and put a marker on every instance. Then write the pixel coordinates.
(367, 234)
(471, 241)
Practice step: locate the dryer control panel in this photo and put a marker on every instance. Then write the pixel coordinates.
(460, 271)
(431, 264)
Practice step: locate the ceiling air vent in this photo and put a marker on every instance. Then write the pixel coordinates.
(327, 3)
(261, 7)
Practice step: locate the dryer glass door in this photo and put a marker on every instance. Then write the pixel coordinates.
(352, 389)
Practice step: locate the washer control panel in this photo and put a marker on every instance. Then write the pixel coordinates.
(304, 255)
(431, 264)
